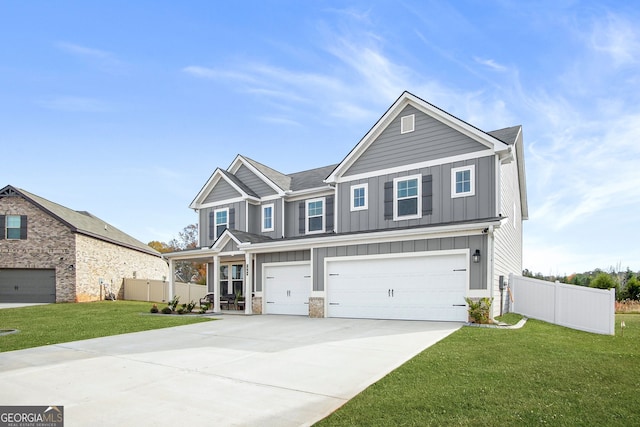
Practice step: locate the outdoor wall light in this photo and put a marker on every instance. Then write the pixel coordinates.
(476, 256)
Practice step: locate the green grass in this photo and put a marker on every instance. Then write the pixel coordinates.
(540, 374)
(57, 323)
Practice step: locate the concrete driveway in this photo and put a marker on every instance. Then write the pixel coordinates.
(240, 370)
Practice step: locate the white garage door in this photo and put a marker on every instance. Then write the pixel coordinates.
(424, 286)
(287, 288)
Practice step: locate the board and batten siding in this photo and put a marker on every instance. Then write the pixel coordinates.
(431, 140)
(445, 208)
(239, 214)
(508, 237)
(477, 273)
(289, 256)
(252, 181)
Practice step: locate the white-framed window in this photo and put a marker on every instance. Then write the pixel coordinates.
(315, 216)
(407, 200)
(359, 197)
(463, 181)
(267, 218)
(222, 220)
(408, 123)
(13, 227)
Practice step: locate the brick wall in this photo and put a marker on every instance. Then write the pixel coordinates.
(98, 260)
(49, 244)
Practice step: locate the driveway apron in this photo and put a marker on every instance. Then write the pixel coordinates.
(238, 371)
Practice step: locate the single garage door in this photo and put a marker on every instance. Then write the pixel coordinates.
(425, 286)
(287, 288)
(27, 285)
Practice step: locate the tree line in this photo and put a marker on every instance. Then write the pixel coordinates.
(625, 282)
(185, 271)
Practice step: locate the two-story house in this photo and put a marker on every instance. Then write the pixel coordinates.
(424, 211)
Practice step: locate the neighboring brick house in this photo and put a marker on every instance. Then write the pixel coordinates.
(50, 253)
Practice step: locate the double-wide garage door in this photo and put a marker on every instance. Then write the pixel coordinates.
(287, 288)
(27, 285)
(424, 286)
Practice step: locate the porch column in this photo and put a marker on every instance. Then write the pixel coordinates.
(248, 288)
(172, 275)
(216, 287)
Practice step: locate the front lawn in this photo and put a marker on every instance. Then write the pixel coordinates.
(57, 323)
(540, 374)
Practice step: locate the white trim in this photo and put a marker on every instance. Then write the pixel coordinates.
(407, 123)
(418, 197)
(454, 230)
(222, 202)
(364, 207)
(420, 165)
(233, 168)
(323, 216)
(215, 222)
(304, 194)
(209, 186)
(472, 181)
(273, 224)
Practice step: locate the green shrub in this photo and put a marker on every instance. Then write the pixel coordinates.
(603, 281)
(174, 302)
(167, 310)
(632, 290)
(154, 308)
(480, 310)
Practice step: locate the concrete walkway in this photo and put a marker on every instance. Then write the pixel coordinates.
(241, 370)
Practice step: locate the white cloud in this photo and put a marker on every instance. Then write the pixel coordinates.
(618, 38)
(74, 104)
(490, 63)
(102, 59)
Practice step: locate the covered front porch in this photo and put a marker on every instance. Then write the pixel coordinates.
(229, 278)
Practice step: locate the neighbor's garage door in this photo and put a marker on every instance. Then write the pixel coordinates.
(416, 287)
(287, 288)
(27, 285)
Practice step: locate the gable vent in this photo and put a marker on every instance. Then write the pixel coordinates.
(407, 123)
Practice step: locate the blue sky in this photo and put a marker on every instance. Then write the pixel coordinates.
(125, 109)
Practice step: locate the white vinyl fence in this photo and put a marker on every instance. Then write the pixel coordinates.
(577, 307)
(158, 291)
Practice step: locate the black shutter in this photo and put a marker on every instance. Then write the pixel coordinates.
(23, 227)
(427, 194)
(388, 200)
(3, 230)
(232, 219)
(212, 226)
(301, 219)
(329, 215)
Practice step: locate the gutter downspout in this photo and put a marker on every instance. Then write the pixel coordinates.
(491, 261)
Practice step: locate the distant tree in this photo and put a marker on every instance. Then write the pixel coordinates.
(603, 281)
(160, 246)
(631, 290)
(185, 271)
